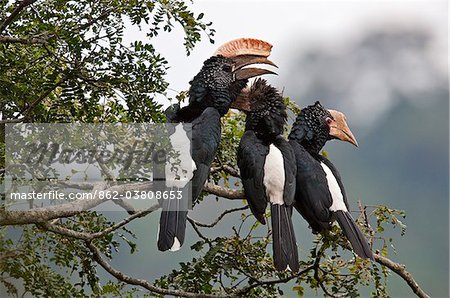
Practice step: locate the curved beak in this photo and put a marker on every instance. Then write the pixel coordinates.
(241, 61)
(339, 128)
(244, 60)
(242, 73)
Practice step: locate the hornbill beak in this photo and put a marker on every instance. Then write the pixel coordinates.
(339, 128)
(244, 52)
(247, 73)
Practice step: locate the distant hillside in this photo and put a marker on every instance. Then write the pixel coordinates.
(403, 163)
(396, 101)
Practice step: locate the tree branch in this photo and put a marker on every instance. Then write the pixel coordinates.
(95, 20)
(316, 265)
(223, 192)
(28, 109)
(400, 269)
(194, 226)
(245, 290)
(29, 41)
(14, 13)
(11, 121)
(140, 282)
(89, 236)
(38, 215)
(219, 218)
(228, 169)
(44, 214)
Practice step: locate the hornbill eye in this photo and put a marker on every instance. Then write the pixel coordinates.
(329, 120)
(227, 68)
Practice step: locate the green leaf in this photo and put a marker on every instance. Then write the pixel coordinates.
(299, 290)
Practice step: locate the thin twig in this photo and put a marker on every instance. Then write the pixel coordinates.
(194, 226)
(89, 236)
(110, 177)
(398, 268)
(215, 222)
(245, 290)
(140, 282)
(27, 110)
(14, 13)
(316, 271)
(95, 20)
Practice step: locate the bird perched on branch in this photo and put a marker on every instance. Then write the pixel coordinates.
(267, 167)
(212, 92)
(320, 195)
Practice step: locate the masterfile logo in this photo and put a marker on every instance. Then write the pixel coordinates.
(77, 161)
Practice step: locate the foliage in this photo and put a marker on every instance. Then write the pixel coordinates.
(231, 261)
(43, 260)
(74, 65)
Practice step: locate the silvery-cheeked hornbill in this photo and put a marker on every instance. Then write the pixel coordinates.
(212, 92)
(267, 167)
(320, 195)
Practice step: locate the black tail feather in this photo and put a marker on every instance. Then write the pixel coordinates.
(354, 235)
(172, 224)
(285, 253)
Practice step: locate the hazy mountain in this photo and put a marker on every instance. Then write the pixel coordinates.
(396, 101)
(403, 163)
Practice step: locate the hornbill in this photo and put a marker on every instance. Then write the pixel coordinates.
(267, 167)
(212, 92)
(320, 195)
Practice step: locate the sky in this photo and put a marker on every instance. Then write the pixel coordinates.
(296, 26)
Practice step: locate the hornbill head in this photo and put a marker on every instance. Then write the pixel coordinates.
(315, 125)
(266, 113)
(223, 76)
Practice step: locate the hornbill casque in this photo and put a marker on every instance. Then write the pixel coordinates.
(267, 167)
(320, 195)
(212, 93)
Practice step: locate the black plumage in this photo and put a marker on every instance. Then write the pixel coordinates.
(267, 167)
(320, 195)
(211, 94)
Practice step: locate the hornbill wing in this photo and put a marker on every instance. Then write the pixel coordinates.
(205, 142)
(277, 174)
(290, 170)
(205, 132)
(336, 174)
(251, 158)
(312, 196)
